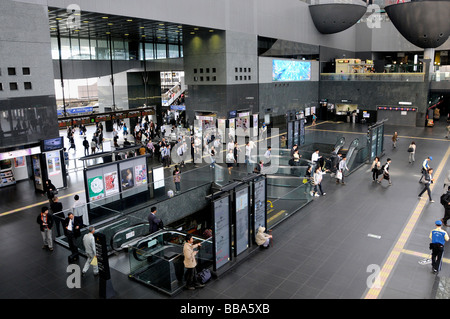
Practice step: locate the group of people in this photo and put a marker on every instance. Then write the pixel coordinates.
(71, 225)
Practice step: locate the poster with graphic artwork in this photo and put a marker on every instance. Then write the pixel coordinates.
(95, 188)
(140, 174)
(111, 183)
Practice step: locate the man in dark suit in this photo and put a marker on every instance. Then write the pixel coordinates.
(155, 222)
(72, 231)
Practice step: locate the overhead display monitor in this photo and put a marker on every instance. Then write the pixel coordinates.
(291, 70)
(52, 144)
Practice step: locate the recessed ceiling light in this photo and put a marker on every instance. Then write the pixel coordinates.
(161, 24)
(192, 32)
(211, 30)
(143, 35)
(58, 18)
(141, 27)
(104, 17)
(76, 30)
(160, 29)
(129, 20)
(126, 34)
(85, 21)
(110, 23)
(180, 26)
(195, 29)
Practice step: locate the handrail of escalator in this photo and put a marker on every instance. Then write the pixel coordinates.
(132, 238)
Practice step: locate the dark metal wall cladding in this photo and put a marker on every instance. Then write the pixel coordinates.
(335, 17)
(425, 24)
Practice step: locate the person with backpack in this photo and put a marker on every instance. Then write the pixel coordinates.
(427, 182)
(445, 201)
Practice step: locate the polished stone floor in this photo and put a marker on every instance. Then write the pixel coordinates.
(325, 251)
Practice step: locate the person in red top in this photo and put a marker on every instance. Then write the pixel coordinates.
(45, 221)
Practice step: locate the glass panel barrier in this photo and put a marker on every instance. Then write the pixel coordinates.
(157, 260)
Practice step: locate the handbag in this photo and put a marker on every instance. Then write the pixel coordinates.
(339, 175)
(410, 150)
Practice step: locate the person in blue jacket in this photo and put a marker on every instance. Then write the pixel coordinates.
(438, 238)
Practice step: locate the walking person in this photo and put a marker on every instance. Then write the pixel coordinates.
(56, 207)
(445, 201)
(438, 238)
(177, 179)
(318, 176)
(425, 167)
(428, 180)
(385, 172)
(190, 263)
(376, 168)
(89, 248)
(412, 152)
(45, 221)
(394, 140)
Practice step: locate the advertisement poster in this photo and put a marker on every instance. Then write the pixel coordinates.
(127, 178)
(95, 188)
(19, 161)
(111, 183)
(222, 231)
(140, 174)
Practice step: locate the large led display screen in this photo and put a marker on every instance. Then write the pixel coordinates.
(291, 70)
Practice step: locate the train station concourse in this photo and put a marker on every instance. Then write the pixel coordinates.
(211, 154)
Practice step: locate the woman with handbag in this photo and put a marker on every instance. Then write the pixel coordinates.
(412, 152)
(376, 168)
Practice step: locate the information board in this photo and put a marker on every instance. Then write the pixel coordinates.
(221, 236)
(259, 205)
(302, 132)
(241, 233)
(290, 134)
(297, 132)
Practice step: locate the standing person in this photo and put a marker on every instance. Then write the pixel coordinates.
(248, 152)
(50, 190)
(212, 154)
(427, 182)
(89, 248)
(125, 129)
(385, 172)
(342, 167)
(267, 155)
(376, 168)
(72, 230)
(318, 176)
(412, 152)
(86, 146)
(66, 158)
(438, 238)
(177, 178)
(190, 262)
(79, 211)
(315, 159)
(45, 221)
(448, 131)
(230, 160)
(394, 140)
(93, 145)
(425, 167)
(314, 118)
(236, 151)
(445, 201)
(72, 142)
(155, 223)
(56, 207)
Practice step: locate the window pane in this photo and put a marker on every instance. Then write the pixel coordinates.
(161, 51)
(173, 51)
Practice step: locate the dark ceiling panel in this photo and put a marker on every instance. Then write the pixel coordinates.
(98, 25)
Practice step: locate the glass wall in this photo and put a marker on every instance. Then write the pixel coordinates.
(76, 48)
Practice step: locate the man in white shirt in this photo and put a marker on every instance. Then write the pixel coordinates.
(342, 167)
(315, 158)
(89, 248)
